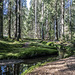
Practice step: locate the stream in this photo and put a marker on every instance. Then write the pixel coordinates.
(17, 67)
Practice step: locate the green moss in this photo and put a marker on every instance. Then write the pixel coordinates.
(42, 45)
(43, 42)
(50, 44)
(15, 49)
(38, 65)
(36, 52)
(32, 68)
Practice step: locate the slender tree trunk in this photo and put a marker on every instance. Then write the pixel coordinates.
(35, 19)
(42, 20)
(9, 18)
(70, 19)
(56, 23)
(62, 19)
(1, 18)
(47, 25)
(16, 19)
(19, 26)
(50, 32)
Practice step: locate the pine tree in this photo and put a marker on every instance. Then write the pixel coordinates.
(1, 18)
(35, 19)
(9, 18)
(16, 8)
(62, 19)
(42, 20)
(19, 22)
(56, 21)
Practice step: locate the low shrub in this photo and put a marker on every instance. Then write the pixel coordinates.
(43, 42)
(50, 44)
(42, 46)
(37, 52)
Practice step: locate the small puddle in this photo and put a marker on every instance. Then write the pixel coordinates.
(17, 67)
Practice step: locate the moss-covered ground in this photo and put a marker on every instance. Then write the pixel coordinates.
(30, 48)
(10, 49)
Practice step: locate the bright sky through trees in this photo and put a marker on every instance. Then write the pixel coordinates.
(28, 4)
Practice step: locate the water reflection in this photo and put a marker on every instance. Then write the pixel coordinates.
(18, 68)
(14, 69)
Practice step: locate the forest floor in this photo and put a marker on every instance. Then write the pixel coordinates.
(60, 67)
(10, 49)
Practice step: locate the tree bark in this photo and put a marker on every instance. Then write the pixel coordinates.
(19, 28)
(1, 18)
(42, 21)
(70, 19)
(9, 18)
(56, 23)
(16, 19)
(19, 21)
(62, 19)
(35, 19)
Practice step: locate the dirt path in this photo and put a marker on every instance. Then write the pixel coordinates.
(60, 67)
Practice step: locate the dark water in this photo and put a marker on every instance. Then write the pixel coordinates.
(14, 69)
(18, 68)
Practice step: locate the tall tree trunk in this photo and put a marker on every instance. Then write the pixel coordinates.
(62, 19)
(16, 19)
(1, 18)
(35, 19)
(19, 25)
(70, 19)
(9, 18)
(56, 23)
(42, 21)
(47, 25)
(50, 32)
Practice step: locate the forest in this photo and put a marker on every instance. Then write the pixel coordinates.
(37, 37)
